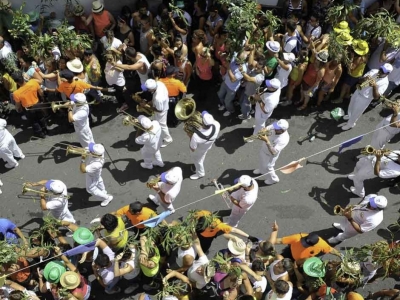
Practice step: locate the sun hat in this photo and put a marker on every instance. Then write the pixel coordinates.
(150, 84)
(273, 46)
(145, 122)
(3, 123)
(360, 47)
(83, 236)
(237, 247)
(78, 10)
(309, 240)
(97, 6)
(75, 65)
(78, 98)
(33, 16)
(55, 186)
(70, 280)
(378, 202)
(97, 149)
(342, 27)
(386, 68)
(169, 177)
(67, 74)
(314, 267)
(344, 38)
(209, 271)
(322, 56)
(289, 56)
(281, 125)
(273, 83)
(53, 271)
(208, 119)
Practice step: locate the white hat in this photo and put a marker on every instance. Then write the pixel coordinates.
(75, 65)
(322, 56)
(170, 177)
(78, 98)
(150, 84)
(273, 83)
(281, 125)
(56, 186)
(3, 123)
(378, 202)
(97, 6)
(207, 118)
(245, 180)
(237, 248)
(97, 149)
(145, 122)
(387, 68)
(289, 56)
(273, 46)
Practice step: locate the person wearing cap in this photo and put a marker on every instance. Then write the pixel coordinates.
(275, 140)
(91, 166)
(151, 141)
(160, 102)
(78, 114)
(383, 131)
(168, 188)
(243, 199)
(266, 101)
(362, 98)
(101, 18)
(8, 147)
(360, 218)
(284, 68)
(201, 142)
(271, 57)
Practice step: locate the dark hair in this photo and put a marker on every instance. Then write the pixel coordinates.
(151, 253)
(178, 38)
(161, 8)
(136, 207)
(88, 52)
(16, 295)
(291, 25)
(17, 77)
(145, 18)
(296, 14)
(268, 248)
(123, 19)
(262, 61)
(127, 253)
(156, 49)
(102, 260)
(287, 264)
(64, 247)
(178, 53)
(281, 286)
(2, 237)
(27, 58)
(213, 8)
(257, 265)
(202, 4)
(109, 222)
(315, 15)
(142, 4)
(126, 11)
(130, 51)
(222, 30)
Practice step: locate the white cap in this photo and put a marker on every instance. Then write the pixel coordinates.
(97, 149)
(150, 84)
(3, 123)
(171, 177)
(378, 201)
(387, 68)
(245, 180)
(145, 122)
(281, 125)
(207, 118)
(55, 186)
(289, 56)
(78, 98)
(273, 83)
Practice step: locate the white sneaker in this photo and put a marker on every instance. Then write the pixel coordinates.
(195, 176)
(351, 176)
(157, 164)
(1, 183)
(221, 107)
(1, 192)
(108, 200)
(333, 240)
(166, 143)
(22, 156)
(146, 166)
(337, 226)
(268, 182)
(131, 289)
(152, 198)
(346, 117)
(347, 127)
(286, 103)
(8, 166)
(353, 190)
(257, 172)
(242, 117)
(227, 114)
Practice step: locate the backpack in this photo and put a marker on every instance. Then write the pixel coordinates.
(295, 50)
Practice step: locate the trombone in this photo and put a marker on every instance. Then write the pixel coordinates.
(225, 195)
(131, 120)
(257, 136)
(57, 105)
(153, 181)
(26, 189)
(147, 109)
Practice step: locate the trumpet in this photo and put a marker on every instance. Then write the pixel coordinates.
(338, 210)
(147, 110)
(257, 136)
(225, 195)
(153, 182)
(79, 151)
(26, 189)
(369, 150)
(389, 103)
(130, 120)
(367, 82)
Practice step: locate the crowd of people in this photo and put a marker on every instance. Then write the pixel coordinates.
(148, 62)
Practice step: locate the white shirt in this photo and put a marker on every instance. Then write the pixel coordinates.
(194, 276)
(195, 141)
(367, 219)
(283, 75)
(388, 168)
(182, 253)
(382, 84)
(134, 263)
(143, 77)
(278, 142)
(386, 121)
(272, 296)
(160, 97)
(246, 198)
(114, 76)
(312, 31)
(58, 206)
(150, 140)
(94, 166)
(107, 274)
(270, 100)
(289, 45)
(115, 43)
(6, 50)
(172, 191)
(5, 137)
(80, 114)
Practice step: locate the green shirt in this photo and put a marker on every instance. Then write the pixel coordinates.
(271, 63)
(152, 272)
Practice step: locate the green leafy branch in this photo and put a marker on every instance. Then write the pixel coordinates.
(339, 13)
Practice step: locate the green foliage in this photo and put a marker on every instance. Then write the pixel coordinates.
(179, 12)
(20, 24)
(175, 287)
(338, 13)
(7, 253)
(337, 50)
(10, 62)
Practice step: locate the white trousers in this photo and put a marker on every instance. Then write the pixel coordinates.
(85, 136)
(164, 206)
(381, 137)
(260, 119)
(358, 104)
(198, 157)
(237, 214)
(363, 171)
(348, 230)
(95, 187)
(162, 119)
(9, 149)
(267, 164)
(150, 156)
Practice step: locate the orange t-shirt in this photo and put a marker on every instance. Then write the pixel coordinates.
(174, 86)
(299, 252)
(100, 22)
(215, 227)
(23, 275)
(77, 86)
(144, 215)
(27, 94)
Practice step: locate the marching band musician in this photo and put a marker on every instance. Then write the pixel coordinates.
(8, 147)
(362, 98)
(160, 106)
(271, 148)
(151, 141)
(385, 132)
(92, 169)
(266, 103)
(201, 141)
(78, 114)
(168, 189)
(379, 164)
(243, 199)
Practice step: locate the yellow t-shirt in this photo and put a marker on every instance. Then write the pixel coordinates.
(11, 83)
(118, 237)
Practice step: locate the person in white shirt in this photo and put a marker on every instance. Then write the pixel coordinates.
(160, 107)
(284, 68)
(8, 147)
(92, 165)
(127, 266)
(267, 100)
(115, 77)
(313, 31)
(168, 189)
(274, 143)
(201, 141)
(385, 132)
(78, 114)
(140, 64)
(394, 76)
(5, 49)
(110, 41)
(281, 290)
(361, 99)
(243, 199)
(361, 218)
(151, 141)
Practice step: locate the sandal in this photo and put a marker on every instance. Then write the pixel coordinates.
(302, 107)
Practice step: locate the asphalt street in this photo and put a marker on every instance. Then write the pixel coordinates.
(301, 202)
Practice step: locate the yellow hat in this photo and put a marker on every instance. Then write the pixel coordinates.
(342, 27)
(360, 47)
(344, 38)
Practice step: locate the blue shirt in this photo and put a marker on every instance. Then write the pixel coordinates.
(234, 86)
(7, 228)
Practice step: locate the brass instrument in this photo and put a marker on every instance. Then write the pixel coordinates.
(225, 195)
(253, 100)
(131, 120)
(389, 103)
(140, 109)
(367, 82)
(185, 110)
(153, 182)
(369, 150)
(26, 189)
(57, 105)
(257, 136)
(79, 151)
(338, 210)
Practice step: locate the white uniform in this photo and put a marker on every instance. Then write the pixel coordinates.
(170, 191)
(81, 124)
(246, 200)
(161, 103)
(58, 206)
(201, 146)
(268, 160)
(9, 148)
(270, 101)
(384, 135)
(368, 219)
(361, 99)
(151, 146)
(94, 181)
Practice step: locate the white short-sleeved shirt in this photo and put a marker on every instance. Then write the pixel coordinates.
(94, 166)
(289, 44)
(160, 97)
(194, 276)
(367, 219)
(107, 274)
(386, 121)
(151, 140)
(58, 206)
(283, 75)
(172, 191)
(134, 263)
(388, 167)
(246, 198)
(270, 100)
(6, 50)
(259, 284)
(278, 142)
(80, 114)
(382, 84)
(251, 87)
(195, 141)
(114, 76)
(313, 31)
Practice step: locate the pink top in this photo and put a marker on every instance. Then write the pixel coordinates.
(203, 68)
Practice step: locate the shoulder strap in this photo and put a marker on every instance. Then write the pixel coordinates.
(203, 136)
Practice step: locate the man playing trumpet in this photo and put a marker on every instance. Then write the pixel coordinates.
(92, 166)
(385, 132)
(151, 141)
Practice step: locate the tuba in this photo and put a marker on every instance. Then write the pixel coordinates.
(138, 99)
(153, 182)
(338, 210)
(185, 110)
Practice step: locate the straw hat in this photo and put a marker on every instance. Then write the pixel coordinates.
(237, 248)
(79, 10)
(342, 27)
(360, 47)
(75, 65)
(70, 280)
(97, 6)
(344, 38)
(322, 56)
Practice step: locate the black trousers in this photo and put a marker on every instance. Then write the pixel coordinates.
(120, 94)
(172, 120)
(36, 119)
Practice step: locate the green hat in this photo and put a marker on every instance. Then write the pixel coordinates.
(53, 271)
(83, 236)
(314, 267)
(33, 16)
